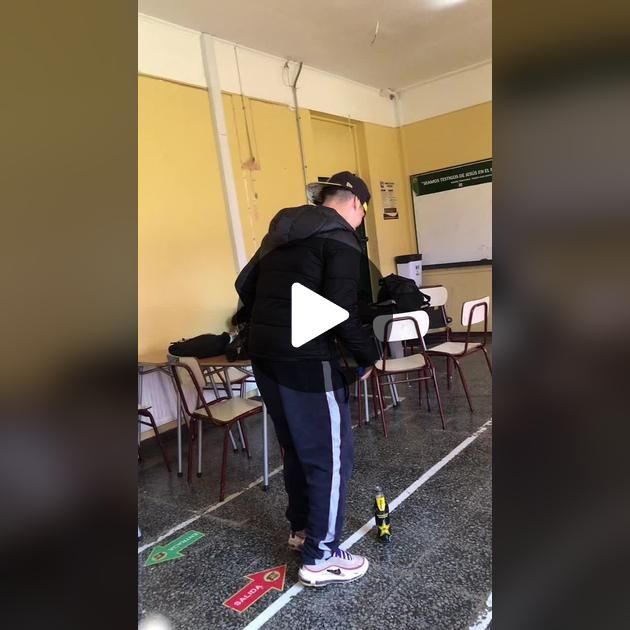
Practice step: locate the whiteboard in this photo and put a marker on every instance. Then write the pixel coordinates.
(453, 214)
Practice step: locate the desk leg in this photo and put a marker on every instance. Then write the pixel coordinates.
(234, 446)
(393, 391)
(397, 352)
(265, 450)
(139, 401)
(366, 401)
(390, 379)
(179, 435)
(240, 432)
(228, 383)
(199, 436)
(230, 394)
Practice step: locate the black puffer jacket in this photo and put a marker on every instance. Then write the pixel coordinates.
(315, 246)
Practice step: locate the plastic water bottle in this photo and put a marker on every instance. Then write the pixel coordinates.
(381, 516)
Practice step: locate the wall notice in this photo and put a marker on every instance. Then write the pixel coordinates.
(388, 197)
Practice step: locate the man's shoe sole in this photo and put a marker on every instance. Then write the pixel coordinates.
(317, 583)
(304, 582)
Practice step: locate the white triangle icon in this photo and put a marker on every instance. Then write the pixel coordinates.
(312, 315)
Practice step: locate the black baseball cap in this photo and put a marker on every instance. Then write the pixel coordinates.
(345, 180)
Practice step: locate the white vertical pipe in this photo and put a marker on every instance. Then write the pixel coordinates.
(225, 158)
(298, 120)
(396, 103)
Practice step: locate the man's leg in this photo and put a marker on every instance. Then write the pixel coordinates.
(317, 418)
(294, 480)
(321, 432)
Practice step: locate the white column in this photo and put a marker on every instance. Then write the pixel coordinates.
(225, 160)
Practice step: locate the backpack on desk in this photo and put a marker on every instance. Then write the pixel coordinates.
(201, 346)
(404, 292)
(237, 348)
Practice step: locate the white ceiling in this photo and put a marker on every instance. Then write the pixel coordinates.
(417, 40)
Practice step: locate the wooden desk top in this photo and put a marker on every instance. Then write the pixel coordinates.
(221, 361)
(157, 358)
(153, 358)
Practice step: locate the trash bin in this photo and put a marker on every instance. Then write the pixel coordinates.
(410, 266)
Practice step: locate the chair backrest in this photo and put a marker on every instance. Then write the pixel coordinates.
(438, 295)
(438, 319)
(412, 325)
(473, 311)
(189, 380)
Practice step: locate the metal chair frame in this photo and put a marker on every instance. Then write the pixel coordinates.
(196, 427)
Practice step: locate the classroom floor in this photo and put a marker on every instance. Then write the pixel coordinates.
(435, 573)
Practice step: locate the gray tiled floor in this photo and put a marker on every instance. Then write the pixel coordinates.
(435, 573)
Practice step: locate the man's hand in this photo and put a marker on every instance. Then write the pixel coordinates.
(365, 373)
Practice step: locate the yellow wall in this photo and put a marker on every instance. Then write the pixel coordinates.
(334, 147)
(374, 152)
(462, 284)
(381, 154)
(274, 179)
(339, 144)
(447, 140)
(186, 267)
(455, 138)
(186, 262)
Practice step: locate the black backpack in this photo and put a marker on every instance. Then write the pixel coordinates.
(404, 292)
(237, 348)
(201, 346)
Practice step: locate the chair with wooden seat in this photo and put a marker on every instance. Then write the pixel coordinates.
(228, 380)
(411, 325)
(439, 321)
(473, 312)
(224, 412)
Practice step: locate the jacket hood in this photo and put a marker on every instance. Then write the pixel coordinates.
(295, 224)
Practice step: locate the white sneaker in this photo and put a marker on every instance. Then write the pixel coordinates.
(296, 540)
(341, 567)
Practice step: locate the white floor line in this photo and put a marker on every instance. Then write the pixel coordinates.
(286, 597)
(205, 511)
(485, 617)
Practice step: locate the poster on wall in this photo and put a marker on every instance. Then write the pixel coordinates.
(388, 197)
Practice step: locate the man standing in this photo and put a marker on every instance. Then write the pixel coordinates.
(304, 389)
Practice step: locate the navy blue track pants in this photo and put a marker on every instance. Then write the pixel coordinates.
(308, 403)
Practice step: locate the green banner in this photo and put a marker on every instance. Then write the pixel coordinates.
(452, 178)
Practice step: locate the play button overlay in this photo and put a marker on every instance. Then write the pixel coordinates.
(293, 333)
(312, 315)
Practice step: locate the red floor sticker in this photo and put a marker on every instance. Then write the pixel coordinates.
(260, 583)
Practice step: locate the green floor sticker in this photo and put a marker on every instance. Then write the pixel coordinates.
(173, 549)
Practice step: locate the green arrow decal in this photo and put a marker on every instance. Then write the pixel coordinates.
(161, 554)
(172, 550)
